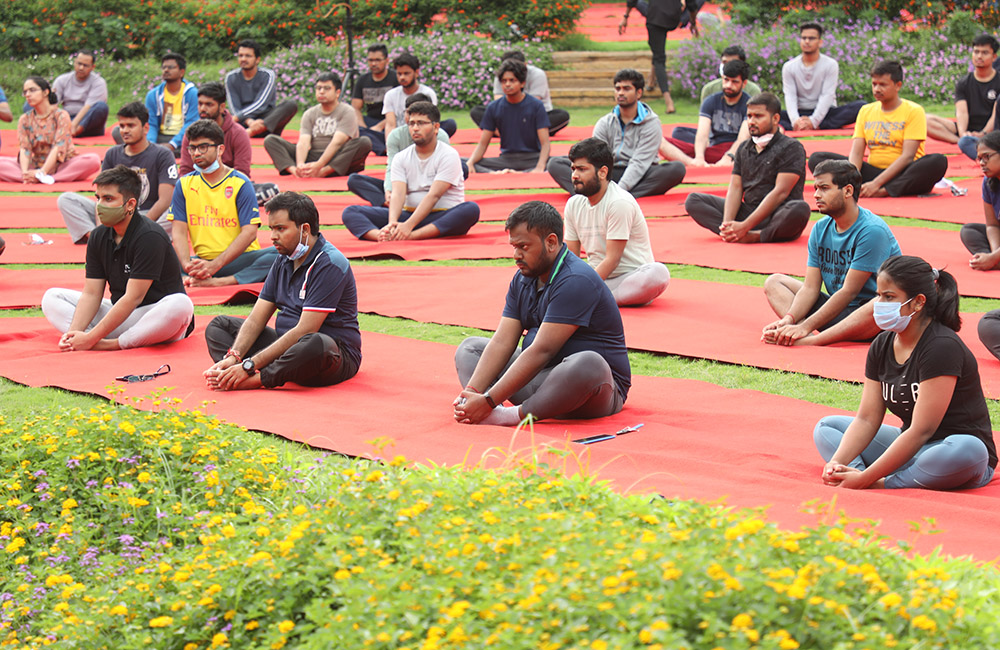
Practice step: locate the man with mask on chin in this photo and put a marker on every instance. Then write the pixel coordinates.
(573, 363)
(316, 340)
(606, 222)
(764, 201)
(132, 256)
(215, 206)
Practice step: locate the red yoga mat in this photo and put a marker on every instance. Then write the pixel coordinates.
(843, 146)
(23, 288)
(699, 440)
(704, 320)
(683, 241)
(62, 250)
(492, 182)
(941, 205)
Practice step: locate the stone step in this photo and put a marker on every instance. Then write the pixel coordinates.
(601, 79)
(602, 60)
(582, 97)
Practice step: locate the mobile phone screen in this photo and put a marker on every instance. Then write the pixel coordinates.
(598, 438)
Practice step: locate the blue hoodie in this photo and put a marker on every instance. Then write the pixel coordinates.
(154, 104)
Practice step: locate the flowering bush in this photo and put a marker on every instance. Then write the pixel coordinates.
(458, 66)
(933, 12)
(126, 529)
(932, 63)
(206, 29)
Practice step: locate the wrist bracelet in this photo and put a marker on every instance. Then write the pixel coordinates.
(789, 315)
(489, 400)
(472, 388)
(233, 353)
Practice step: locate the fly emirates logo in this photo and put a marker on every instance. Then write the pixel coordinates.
(211, 219)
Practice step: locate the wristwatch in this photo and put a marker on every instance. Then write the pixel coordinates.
(249, 366)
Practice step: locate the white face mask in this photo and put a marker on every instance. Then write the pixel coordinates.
(888, 318)
(762, 139)
(300, 249)
(206, 170)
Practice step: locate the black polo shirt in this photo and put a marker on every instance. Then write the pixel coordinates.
(144, 253)
(759, 170)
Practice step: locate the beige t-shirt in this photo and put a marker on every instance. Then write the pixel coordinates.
(617, 216)
(321, 126)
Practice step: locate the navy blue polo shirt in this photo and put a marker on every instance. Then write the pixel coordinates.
(324, 282)
(574, 295)
(144, 253)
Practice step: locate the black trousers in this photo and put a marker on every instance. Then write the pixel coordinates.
(916, 178)
(315, 360)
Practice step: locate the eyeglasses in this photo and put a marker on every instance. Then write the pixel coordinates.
(985, 158)
(418, 124)
(30, 91)
(200, 148)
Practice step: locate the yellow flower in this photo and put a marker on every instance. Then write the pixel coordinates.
(286, 626)
(144, 477)
(924, 623)
(219, 639)
(788, 644)
(299, 510)
(161, 621)
(742, 621)
(342, 574)
(252, 625)
(891, 600)
(118, 610)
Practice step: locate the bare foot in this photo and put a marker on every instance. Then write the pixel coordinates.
(752, 237)
(256, 129)
(106, 345)
(669, 103)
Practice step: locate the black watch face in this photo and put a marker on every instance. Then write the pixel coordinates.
(248, 366)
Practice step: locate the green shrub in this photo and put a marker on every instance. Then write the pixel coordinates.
(125, 529)
(932, 63)
(207, 29)
(932, 12)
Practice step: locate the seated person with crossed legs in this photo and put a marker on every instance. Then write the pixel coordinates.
(316, 340)
(573, 362)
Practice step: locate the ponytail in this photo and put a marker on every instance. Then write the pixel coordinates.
(946, 310)
(46, 88)
(915, 276)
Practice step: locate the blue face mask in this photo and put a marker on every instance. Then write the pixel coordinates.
(300, 249)
(207, 170)
(888, 318)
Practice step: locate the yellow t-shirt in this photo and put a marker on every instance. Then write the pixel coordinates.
(884, 132)
(215, 215)
(173, 112)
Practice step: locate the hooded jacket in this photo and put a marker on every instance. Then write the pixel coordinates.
(635, 145)
(154, 104)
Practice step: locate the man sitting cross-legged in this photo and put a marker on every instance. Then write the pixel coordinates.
(329, 142)
(132, 256)
(522, 123)
(611, 228)
(632, 131)
(975, 100)
(846, 249)
(157, 175)
(893, 130)
(376, 190)
(217, 207)
(316, 340)
(428, 190)
(764, 201)
(721, 120)
(572, 363)
(251, 93)
(536, 85)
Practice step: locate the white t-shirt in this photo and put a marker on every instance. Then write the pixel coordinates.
(418, 174)
(395, 101)
(617, 216)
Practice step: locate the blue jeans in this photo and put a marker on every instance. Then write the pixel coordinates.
(968, 145)
(957, 462)
(93, 122)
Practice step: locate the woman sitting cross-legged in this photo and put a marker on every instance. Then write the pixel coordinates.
(921, 371)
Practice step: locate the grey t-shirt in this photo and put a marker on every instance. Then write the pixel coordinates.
(74, 94)
(321, 126)
(810, 87)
